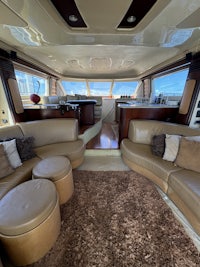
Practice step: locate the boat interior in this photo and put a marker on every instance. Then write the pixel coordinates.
(105, 65)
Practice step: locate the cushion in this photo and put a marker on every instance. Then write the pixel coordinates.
(71, 97)
(158, 145)
(171, 147)
(188, 155)
(25, 147)
(12, 153)
(6, 168)
(81, 97)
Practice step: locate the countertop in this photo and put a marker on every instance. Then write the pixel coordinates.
(146, 105)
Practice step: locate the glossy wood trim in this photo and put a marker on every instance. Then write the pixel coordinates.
(41, 114)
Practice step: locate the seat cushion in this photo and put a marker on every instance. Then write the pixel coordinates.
(20, 175)
(26, 206)
(53, 168)
(72, 150)
(186, 185)
(141, 154)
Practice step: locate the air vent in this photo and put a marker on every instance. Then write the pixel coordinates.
(70, 13)
(136, 12)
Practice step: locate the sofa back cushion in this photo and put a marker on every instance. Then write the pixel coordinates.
(97, 98)
(51, 131)
(188, 155)
(142, 131)
(54, 99)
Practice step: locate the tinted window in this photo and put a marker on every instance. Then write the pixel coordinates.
(30, 84)
(171, 84)
(73, 87)
(124, 88)
(100, 88)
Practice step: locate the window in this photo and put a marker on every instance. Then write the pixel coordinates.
(31, 84)
(170, 85)
(124, 88)
(109, 88)
(75, 87)
(100, 88)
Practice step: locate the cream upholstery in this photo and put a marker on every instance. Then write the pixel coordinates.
(29, 221)
(53, 137)
(184, 190)
(53, 168)
(58, 169)
(56, 137)
(72, 150)
(13, 131)
(29, 213)
(21, 174)
(141, 155)
(51, 131)
(181, 185)
(142, 131)
(26, 206)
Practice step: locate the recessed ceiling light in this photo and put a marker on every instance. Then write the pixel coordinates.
(131, 19)
(73, 18)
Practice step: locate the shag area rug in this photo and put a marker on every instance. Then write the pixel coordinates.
(118, 219)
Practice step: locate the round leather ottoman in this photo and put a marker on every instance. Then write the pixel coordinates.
(29, 221)
(58, 169)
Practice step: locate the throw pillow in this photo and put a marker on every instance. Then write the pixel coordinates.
(25, 147)
(188, 155)
(6, 168)
(171, 147)
(12, 153)
(158, 145)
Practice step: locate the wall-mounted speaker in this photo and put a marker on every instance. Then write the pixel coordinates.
(188, 56)
(13, 55)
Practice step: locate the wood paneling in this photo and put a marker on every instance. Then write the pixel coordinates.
(41, 114)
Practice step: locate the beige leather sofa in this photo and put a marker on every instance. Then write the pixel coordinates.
(52, 137)
(56, 99)
(182, 185)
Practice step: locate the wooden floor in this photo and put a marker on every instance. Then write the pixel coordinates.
(106, 139)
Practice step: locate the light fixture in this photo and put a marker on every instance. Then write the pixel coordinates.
(131, 19)
(135, 13)
(73, 18)
(70, 13)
